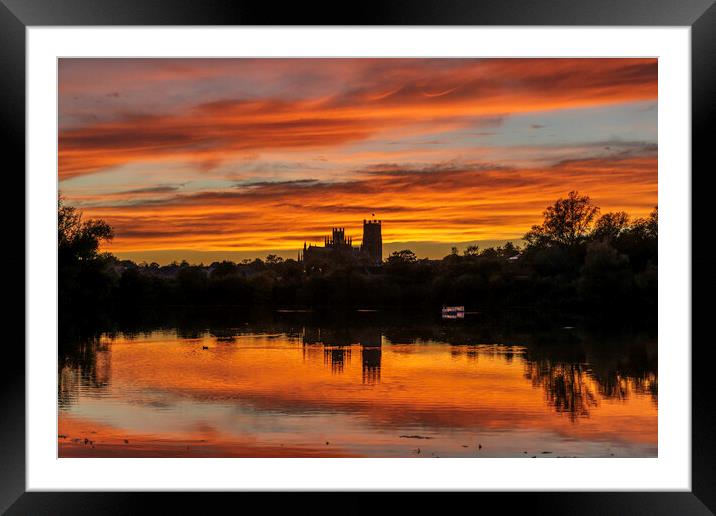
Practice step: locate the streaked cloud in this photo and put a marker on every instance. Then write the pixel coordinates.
(256, 154)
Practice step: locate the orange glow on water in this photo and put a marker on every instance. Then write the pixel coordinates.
(163, 393)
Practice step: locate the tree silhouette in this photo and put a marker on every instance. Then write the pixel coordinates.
(472, 250)
(648, 227)
(575, 261)
(273, 259)
(567, 222)
(84, 278)
(402, 257)
(79, 239)
(610, 225)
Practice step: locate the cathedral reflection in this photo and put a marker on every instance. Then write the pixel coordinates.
(336, 357)
(337, 345)
(371, 356)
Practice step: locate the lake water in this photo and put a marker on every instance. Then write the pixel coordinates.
(365, 388)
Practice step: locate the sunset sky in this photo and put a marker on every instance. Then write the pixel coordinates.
(206, 159)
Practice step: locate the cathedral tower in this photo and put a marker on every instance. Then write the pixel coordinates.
(372, 241)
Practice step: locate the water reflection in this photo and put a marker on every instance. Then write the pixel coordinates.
(568, 387)
(573, 392)
(88, 367)
(576, 375)
(370, 359)
(337, 344)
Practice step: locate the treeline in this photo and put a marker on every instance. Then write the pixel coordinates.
(577, 260)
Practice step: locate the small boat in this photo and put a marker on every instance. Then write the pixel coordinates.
(453, 312)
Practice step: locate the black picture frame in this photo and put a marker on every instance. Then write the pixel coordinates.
(700, 15)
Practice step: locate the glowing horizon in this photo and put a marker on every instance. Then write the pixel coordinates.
(240, 157)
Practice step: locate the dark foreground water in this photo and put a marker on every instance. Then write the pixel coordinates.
(367, 386)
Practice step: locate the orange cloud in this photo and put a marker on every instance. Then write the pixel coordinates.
(394, 93)
(249, 155)
(447, 203)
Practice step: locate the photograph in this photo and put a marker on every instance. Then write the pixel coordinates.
(316, 257)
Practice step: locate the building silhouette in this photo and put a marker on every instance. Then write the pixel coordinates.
(372, 244)
(338, 247)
